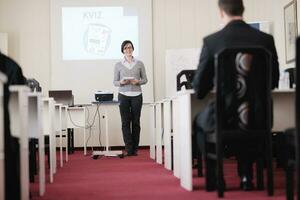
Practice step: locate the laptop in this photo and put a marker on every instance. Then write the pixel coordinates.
(64, 97)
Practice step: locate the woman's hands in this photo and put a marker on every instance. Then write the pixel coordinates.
(135, 82)
(126, 82)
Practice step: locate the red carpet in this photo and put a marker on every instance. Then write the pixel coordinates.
(137, 177)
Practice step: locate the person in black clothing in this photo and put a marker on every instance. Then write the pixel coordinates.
(129, 75)
(236, 33)
(14, 76)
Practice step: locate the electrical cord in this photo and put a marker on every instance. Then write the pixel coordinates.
(97, 113)
(90, 125)
(99, 125)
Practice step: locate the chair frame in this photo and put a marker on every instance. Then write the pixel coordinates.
(189, 74)
(218, 137)
(297, 119)
(291, 135)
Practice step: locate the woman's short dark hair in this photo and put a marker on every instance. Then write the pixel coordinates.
(124, 43)
(232, 7)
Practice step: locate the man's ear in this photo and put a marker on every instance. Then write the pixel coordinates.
(221, 12)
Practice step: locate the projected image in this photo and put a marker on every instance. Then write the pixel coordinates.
(97, 39)
(92, 33)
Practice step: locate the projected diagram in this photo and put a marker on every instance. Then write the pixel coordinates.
(94, 33)
(97, 39)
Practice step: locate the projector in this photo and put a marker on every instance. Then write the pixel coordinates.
(104, 96)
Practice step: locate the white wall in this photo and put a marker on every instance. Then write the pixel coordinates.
(4, 43)
(184, 23)
(176, 24)
(28, 26)
(85, 77)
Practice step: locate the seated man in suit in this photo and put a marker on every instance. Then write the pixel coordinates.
(236, 33)
(14, 76)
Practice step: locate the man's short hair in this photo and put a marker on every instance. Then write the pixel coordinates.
(232, 7)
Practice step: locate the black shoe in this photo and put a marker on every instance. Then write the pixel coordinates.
(135, 153)
(128, 154)
(246, 184)
(212, 185)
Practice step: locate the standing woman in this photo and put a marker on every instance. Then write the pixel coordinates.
(129, 75)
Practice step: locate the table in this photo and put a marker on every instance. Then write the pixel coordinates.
(3, 80)
(77, 119)
(107, 152)
(185, 106)
(36, 132)
(48, 130)
(18, 109)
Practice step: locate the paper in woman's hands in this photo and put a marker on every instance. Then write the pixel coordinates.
(128, 78)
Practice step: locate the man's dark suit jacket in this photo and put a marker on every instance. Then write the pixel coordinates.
(14, 76)
(235, 34)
